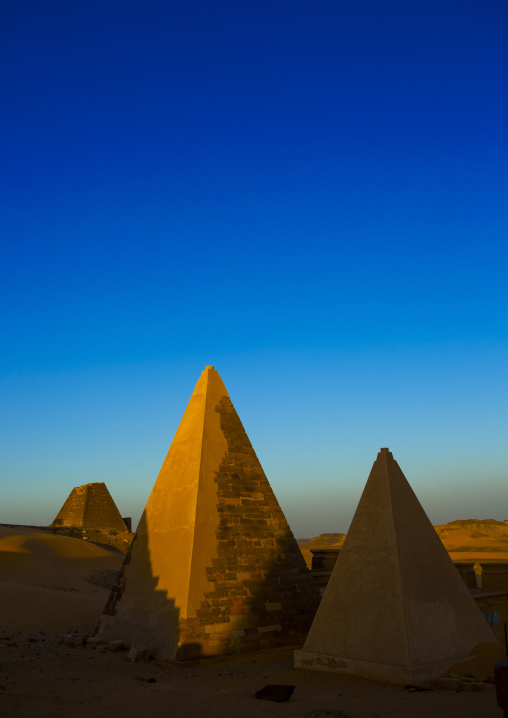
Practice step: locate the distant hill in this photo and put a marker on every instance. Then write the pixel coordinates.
(302, 542)
(472, 522)
(464, 539)
(486, 527)
(325, 541)
(479, 539)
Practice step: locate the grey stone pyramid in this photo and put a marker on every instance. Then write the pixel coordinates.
(395, 608)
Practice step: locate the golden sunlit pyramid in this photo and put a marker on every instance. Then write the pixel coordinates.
(214, 568)
(90, 507)
(396, 608)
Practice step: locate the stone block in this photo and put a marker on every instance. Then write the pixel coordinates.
(269, 607)
(217, 627)
(138, 655)
(93, 642)
(74, 639)
(277, 693)
(114, 646)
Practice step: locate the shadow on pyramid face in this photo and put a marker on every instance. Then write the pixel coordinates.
(146, 615)
(214, 568)
(266, 604)
(261, 597)
(262, 593)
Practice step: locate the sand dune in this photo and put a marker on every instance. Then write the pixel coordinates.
(46, 577)
(37, 557)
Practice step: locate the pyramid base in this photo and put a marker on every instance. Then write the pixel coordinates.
(399, 675)
(194, 647)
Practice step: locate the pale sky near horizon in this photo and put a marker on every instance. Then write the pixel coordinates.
(310, 196)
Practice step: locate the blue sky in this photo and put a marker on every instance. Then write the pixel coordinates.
(311, 196)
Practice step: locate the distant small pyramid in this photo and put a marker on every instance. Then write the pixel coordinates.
(90, 507)
(395, 608)
(214, 568)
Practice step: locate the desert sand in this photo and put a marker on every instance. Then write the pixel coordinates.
(51, 585)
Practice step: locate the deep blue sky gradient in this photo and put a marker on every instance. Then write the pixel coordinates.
(311, 196)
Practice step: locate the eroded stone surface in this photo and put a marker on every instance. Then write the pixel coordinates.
(262, 591)
(90, 507)
(214, 567)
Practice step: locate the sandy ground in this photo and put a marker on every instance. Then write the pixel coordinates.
(50, 585)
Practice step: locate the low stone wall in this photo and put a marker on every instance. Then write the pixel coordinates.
(494, 576)
(324, 559)
(466, 570)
